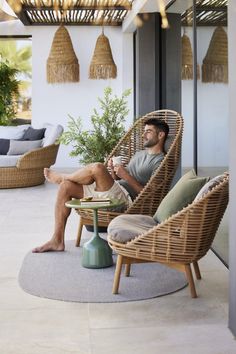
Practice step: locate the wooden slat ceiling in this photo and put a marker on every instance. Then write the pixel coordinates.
(208, 13)
(71, 12)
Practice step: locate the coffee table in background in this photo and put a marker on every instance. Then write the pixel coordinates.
(96, 252)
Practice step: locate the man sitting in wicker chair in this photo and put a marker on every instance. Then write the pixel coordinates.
(95, 180)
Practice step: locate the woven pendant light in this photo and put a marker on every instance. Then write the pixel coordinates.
(62, 63)
(215, 63)
(187, 59)
(102, 65)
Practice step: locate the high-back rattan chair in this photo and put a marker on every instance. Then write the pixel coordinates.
(179, 241)
(158, 186)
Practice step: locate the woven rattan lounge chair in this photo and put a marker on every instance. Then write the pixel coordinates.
(158, 186)
(179, 241)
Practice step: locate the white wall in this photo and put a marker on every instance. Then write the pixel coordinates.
(212, 113)
(53, 103)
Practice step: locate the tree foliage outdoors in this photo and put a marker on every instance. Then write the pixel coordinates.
(18, 58)
(108, 127)
(9, 90)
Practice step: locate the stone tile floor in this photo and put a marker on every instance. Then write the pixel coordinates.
(171, 324)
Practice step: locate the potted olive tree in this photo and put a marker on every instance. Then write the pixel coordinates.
(108, 127)
(9, 90)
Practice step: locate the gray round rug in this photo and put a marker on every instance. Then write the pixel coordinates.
(60, 276)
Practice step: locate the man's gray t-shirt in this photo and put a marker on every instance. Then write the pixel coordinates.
(141, 167)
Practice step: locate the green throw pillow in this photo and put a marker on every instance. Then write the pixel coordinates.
(182, 194)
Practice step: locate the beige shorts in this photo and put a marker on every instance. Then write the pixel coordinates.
(116, 191)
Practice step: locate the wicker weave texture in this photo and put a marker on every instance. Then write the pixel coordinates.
(158, 186)
(39, 158)
(13, 177)
(62, 63)
(102, 65)
(183, 238)
(187, 59)
(215, 63)
(29, 169)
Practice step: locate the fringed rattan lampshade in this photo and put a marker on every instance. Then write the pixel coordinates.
(102, 65)
(62, 63)
(187, 59)
(215, 63)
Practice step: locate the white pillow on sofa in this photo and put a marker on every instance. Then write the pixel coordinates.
(20, 147)
(52, 133)
(9, 132)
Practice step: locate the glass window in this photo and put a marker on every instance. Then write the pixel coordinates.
(17, 53)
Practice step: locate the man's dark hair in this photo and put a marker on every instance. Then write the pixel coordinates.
(159, 124)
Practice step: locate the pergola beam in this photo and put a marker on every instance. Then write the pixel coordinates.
(82, 13)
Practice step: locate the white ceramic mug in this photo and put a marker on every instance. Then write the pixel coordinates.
(117, 160)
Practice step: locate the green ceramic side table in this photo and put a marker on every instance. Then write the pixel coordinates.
(96, 252)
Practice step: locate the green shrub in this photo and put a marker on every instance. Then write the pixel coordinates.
(96, 144)
(9, 90)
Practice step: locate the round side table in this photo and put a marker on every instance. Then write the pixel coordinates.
(96, 252)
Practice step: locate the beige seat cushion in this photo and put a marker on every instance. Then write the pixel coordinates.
(126, 227)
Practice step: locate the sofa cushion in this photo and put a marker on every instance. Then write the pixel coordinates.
(182, 194)
(33, 134)
(4, 146)
(19, 147)
(13, 132)
(9, 161)
(52, 133)
(124, 227)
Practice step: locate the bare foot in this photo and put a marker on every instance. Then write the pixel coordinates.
(50, 246)
(52, 176)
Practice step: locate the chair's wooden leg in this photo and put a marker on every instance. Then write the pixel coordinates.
(189, 277)
(197, 270)
(116, 282)
(127, 269)
(77, 244)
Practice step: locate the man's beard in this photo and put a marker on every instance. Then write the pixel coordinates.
(150, 143)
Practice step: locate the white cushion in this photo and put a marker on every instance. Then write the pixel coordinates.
(51, 134)
(9, 161)
(13, 132)
(18, 147)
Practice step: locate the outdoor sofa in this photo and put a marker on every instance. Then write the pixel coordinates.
(24, 152)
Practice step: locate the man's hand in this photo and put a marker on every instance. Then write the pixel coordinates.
(112, 170)
(121, 171)
(110, 164)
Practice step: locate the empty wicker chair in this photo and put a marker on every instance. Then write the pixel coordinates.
(158, 186)
(179, 241)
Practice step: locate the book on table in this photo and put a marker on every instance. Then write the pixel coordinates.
(95, 201)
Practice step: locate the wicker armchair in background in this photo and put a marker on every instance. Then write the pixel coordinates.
(158, 186)
(179, 241)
